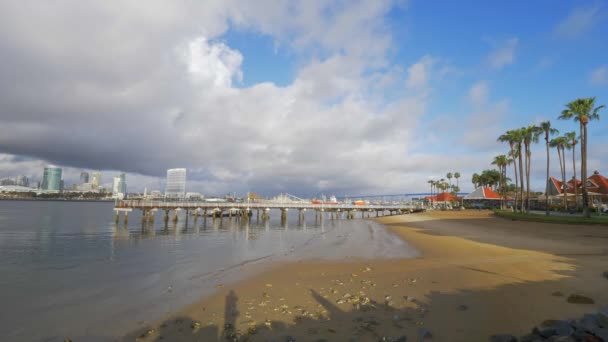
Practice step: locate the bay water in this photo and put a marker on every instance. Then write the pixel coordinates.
(67, 270)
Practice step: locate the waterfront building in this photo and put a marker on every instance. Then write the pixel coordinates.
(84, 177)
(95, 180)
(176, 183)
(119, 187)
(51, 179)
(22, 181)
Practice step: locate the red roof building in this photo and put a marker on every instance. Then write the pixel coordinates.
(443, 197)
(596, 183)
(483, 193)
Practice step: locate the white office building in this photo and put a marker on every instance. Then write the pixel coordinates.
(119, 187)
(176, 183)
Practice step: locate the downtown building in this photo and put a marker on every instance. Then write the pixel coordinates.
(175, 186)
(52, 179)
(119, 187)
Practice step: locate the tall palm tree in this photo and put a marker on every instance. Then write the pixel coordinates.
(431, 183)
(583, 110)
(572, 145)
(512, 137)
(545, 126)
(501, 161)
(457, 176)
(475, 179)
(449, 177)
(560, 143)
(530, 135)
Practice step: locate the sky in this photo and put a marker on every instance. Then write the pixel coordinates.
(306, 97)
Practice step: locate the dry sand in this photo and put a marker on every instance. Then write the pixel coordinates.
(478, 275)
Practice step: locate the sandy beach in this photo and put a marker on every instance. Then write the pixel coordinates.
(477, 276)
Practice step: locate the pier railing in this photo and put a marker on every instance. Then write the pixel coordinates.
(200, 205)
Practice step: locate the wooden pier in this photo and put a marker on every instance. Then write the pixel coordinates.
(220, 209)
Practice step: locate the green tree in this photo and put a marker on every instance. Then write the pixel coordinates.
(583, 110)
(514, 139)
(530, 135)
(475, 180)
(449, 177)
(560, 144)
(572, 145)
(546, 128)
(457, 176)
(502, 161)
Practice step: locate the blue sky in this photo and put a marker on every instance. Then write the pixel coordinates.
(281, 95)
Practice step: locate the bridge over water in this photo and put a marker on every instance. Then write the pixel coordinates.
(263, 209)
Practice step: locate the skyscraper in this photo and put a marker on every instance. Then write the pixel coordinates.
(84, 177)
(96, 180)
(51, 179)
(176, 183)
(119, 187)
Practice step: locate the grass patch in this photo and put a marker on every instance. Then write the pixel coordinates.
(550, 219)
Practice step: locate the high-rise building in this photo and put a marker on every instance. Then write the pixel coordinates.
(84, 177)
(17, 180)
(95, 180)
(51, 179)
(176, 183)
(119, 187)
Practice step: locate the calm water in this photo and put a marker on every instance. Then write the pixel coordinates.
(69, 271)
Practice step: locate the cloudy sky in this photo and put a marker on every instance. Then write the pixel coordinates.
(307, 97)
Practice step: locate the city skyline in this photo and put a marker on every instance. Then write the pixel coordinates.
(319, 97)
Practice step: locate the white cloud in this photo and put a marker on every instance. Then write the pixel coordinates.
(157, 91)
(503, 54)
(578, 21)
(478, 93)
(599, 76)
(419, 74)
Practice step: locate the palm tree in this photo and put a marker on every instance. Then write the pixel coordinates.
(431, 183)
(475, 180)
(449, 177)
(530, 135)
(457, 175)
(572, 145)
(513, 137)
(545, 126)
(560, 143)
(582, 110)
(501, 161)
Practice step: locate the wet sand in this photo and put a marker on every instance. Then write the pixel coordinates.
(478, 275)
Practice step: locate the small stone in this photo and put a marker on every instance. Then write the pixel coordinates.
(290, 339)
(605, 274)
(268, 285)
(462, 308)
(424, 335)
(219, 286)
(151, 331)
(409, 298)
(557, 294)
(67, 340)
(503, 338)
(401, 339)
(579, 299)
(602, 317)
(195, 325)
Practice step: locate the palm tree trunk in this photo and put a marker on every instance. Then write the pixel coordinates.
(547, 184)
(574, 178)
(515, 172)
(563, 169)
(528, 162)
(521, 177)
(586, 212)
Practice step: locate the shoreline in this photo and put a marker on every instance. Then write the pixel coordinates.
(476, 277)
